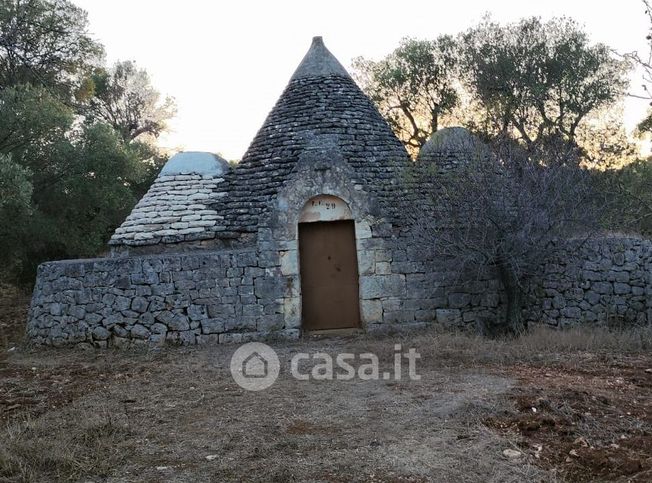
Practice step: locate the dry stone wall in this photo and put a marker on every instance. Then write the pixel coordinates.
(402, 285)
(254, 294)
(605, 280)
(180, 298)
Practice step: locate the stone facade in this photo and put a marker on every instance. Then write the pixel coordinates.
(243, 295)
(211, 254)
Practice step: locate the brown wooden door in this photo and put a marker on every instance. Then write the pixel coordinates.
(329, 275)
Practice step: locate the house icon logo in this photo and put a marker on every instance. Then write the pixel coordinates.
(255, 366)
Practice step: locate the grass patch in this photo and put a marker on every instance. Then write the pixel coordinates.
(62, 445)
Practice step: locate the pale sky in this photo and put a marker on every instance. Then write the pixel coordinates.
(227, 62)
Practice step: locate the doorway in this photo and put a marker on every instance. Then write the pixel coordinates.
(329, 275)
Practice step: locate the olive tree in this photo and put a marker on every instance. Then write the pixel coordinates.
(413, 87)
(125, 99)
(539, 81)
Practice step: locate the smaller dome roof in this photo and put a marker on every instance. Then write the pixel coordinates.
(452, 141)
(195, 162)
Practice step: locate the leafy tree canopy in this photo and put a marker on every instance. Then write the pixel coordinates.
(125, 99)
(72, 159)
(540, 80)
(46, 42)
(413, 87)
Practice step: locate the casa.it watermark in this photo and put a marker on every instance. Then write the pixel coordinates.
(256, 366)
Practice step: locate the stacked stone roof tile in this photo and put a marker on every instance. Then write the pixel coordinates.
(177, 207)
(320, 102)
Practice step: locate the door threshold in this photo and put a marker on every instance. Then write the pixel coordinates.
(332, 332)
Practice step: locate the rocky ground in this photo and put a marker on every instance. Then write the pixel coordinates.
(575, 406)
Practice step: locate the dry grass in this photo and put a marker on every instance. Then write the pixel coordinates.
(155, 415)
(540, 346)
(64, 445)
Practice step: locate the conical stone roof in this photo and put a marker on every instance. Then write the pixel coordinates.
(176, 207)
(452, 147)
(320, 101)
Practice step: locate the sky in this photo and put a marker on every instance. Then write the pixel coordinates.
(227, 62)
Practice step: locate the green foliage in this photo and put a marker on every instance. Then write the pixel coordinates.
(540, 80)
(30, 116)
(413, 87)
(125, 99)
(69, 172)
(45, 42)
(15, 205)
(94, 182)
(15, 187)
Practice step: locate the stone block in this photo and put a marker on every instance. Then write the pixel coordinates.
(381, 286)
(448, 317)
(558, 301)
(252, 310)
(572, 313)
(179, 322)
(362, 230)
(604, 288)
(372, 311)
(366, 262)
(100, 333)
(621, 288)
(290, 262)
(459, 300)
(139, 332)
(139, 304)
(383, 268)
(592, 297)
(292, 312)
(246, 259)
(270, 322)
(158, 328)
(224, 309)
(77, 312)
(213, 326)
(187, 337)
(267, 288)
(196, 312)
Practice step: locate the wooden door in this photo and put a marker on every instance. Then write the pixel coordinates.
(329, 275)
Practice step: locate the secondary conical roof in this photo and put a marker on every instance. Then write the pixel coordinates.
(176, 207)
(321, 101)
(452, 147)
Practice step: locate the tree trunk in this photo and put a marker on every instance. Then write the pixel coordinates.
(513, 321)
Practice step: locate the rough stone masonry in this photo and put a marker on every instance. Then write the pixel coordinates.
(211, 253)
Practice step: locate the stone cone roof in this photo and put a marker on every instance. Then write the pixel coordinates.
(321, 108)
(451, 147)
(321, 101)
(177, 206)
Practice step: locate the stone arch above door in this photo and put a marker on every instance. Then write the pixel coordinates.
(325, 208)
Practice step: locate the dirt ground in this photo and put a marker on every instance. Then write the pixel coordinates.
(571, 407)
